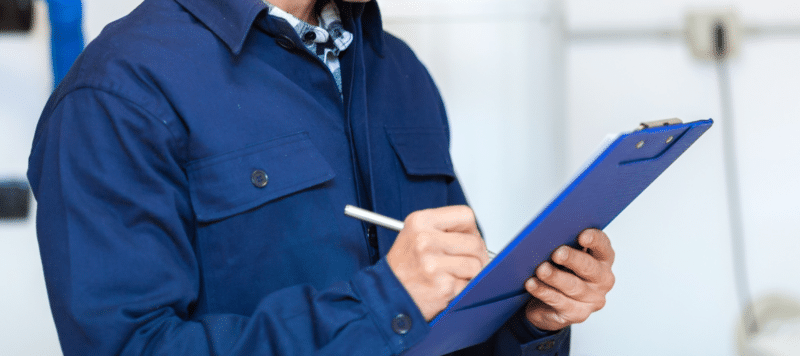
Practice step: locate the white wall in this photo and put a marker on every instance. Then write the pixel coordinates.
(26, 326)
(527, 103)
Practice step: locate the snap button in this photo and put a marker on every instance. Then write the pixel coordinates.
(259, 178)
(401, 324)
(309, 36)
(286, 42)
(546, 345)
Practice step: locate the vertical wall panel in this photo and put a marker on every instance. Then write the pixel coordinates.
(26, 325)
(676, 292)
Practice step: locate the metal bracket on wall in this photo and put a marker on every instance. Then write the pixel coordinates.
(16, 15)
(15, 200)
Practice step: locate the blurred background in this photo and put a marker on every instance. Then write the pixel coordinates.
(531, 88)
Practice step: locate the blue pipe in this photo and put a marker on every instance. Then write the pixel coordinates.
(66, 35)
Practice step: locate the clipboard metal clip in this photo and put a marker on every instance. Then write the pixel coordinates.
(658, 123)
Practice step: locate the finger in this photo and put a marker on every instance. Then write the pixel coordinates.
(462, 268)
(567, 310)
(543, 316)
(461, 244)
(566, 283)
(436, 243)
(548, 295)
(598, 244)
(459, 218)
(581, 263)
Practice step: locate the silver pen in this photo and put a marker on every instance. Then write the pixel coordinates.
(375, 218)
(380, 220)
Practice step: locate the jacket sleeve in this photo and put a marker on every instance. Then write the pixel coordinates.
(115, 228)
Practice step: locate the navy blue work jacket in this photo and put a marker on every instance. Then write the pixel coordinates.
(192, 170)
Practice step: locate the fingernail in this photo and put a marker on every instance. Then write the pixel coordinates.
(545, 270)
(530, 284)
(561, 254)
(588, 239)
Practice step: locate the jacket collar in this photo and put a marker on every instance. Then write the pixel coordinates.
(371, 21)
(231, 20)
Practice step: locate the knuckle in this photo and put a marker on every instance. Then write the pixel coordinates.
(578, 316)
(425, 242)
(600, 303)
(471, 214)
(411, 219)
(584, 315)
(429, 265)
(581, 318)
(611, 281)
(415, 218)
(464, 209)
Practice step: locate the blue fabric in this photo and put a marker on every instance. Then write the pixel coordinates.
(66, 35)
(154, 232)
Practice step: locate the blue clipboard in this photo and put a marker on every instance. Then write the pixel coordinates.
(592, 200)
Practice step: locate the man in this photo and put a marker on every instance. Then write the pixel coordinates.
(192, 169)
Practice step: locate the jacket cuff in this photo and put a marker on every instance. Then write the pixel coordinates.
(555, 343)
(390, 307)
(520, 337)
(535, 332)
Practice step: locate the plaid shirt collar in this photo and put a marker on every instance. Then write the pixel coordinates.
(231, 21)
(330, 35)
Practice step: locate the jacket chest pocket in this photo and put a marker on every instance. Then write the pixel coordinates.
(424, 154)
(235, 182)
(253, 207)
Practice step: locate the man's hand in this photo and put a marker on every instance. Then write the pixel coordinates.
(562, 298)
(436, 254)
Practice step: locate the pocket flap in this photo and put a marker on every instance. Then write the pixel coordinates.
(233, 182)
(422, 151)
